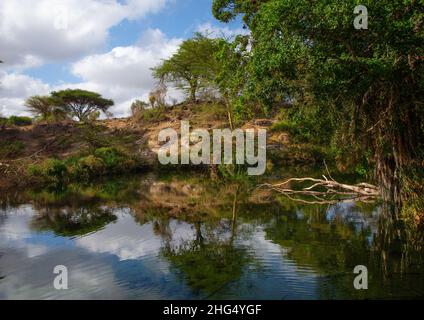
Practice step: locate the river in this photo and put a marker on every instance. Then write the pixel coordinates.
(184, 237)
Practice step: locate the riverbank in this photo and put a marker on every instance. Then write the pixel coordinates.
(43, 153)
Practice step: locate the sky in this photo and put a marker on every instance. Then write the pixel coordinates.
(107, 46)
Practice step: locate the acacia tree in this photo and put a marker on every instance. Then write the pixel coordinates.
(80, 103)
(372, 79)
(45, 109)
(192, 67)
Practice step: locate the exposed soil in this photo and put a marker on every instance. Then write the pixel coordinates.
(137, 137)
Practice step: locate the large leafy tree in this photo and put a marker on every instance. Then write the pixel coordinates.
(192, 67)
(372, 80)
(227, 10)
(81, 104)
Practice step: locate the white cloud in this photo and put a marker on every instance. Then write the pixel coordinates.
(127, 66)
(33, 32)
(136, 241)
(15, 88)
(123, 74)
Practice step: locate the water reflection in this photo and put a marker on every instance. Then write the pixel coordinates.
(182, 238)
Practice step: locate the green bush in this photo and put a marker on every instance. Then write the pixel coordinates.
(115, 161)
(306, 124)
(3, 121)
(153, 115)
(112, 158)
(87, 168)
(10, 149)
(298, 132)
(19, 121)
(233, 172)
(51, 170)
(104, 161)
(211, 111)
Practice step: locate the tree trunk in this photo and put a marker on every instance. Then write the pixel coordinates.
(193, 90)
(230, 115)
(393, 166)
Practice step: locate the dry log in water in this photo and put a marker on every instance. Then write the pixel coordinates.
(321, 189)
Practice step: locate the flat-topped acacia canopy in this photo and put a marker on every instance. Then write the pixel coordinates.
(81, 103)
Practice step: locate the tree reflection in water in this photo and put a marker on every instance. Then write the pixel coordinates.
(333, 240)
(329, 240)
(211, 261)
(72, 222)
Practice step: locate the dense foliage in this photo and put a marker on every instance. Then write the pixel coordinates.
(367, 83)
(84, 167)
(192, 67)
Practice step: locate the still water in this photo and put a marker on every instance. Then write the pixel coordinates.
(156, 237)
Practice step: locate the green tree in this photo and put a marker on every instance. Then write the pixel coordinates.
(227, 10)
(371, 80)
(231, 78)
(80, 103)
(192, 67)
(44, 108)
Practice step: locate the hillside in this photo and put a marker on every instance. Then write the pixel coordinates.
(136, 136)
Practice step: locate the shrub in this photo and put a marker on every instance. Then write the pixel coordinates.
(307, 124)
(152, 115)
(10, 149)
(110, 156)
(298, 132)
(104, 161)
(52, 170)
(19, 121)
(115, 161)
(211, 111)
(233, 172)
(87, 168)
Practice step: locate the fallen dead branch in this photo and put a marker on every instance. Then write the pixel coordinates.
(325, 191)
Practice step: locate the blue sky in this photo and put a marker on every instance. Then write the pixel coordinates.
(178, 19)
(107, 46)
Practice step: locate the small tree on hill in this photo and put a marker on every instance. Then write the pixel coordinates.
(45, 109)
(192, 67)
(81, 104)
